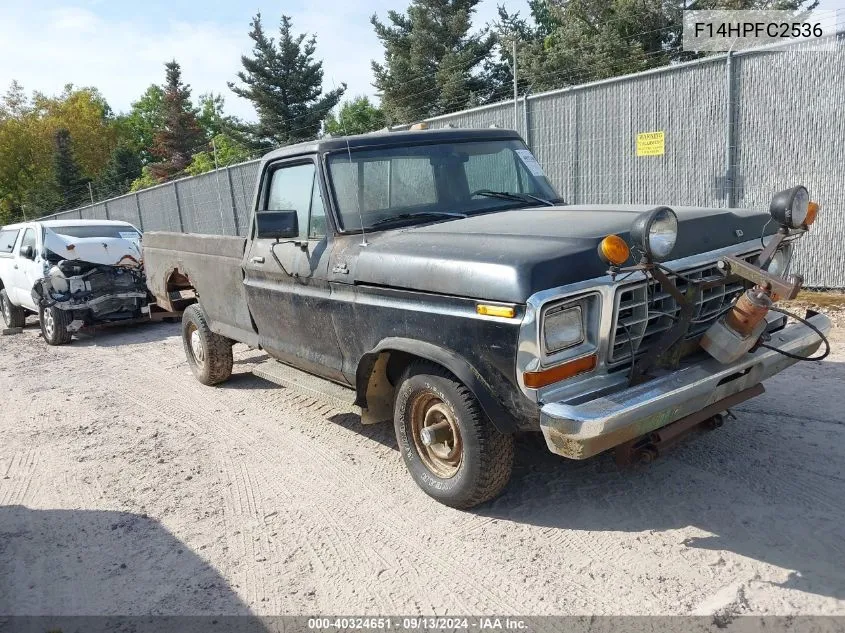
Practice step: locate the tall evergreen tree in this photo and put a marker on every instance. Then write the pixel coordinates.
(285, 84)
(69, 181)
(181, 135)
(431, 60)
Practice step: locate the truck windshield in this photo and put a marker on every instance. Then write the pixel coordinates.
(125, 231)
(437, 181)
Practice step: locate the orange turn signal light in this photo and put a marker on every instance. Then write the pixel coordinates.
(508, 312)
(812, 212)
(613, 250)
(537, 379)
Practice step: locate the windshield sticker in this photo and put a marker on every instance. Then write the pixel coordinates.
(128, 235)
(530, 162)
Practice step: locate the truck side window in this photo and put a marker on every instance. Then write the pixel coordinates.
(28, 239)
(291, 189)
(8, 239)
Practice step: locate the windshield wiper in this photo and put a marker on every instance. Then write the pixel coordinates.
(420, 214)
(510, 195)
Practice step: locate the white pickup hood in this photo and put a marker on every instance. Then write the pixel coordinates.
(108, 251)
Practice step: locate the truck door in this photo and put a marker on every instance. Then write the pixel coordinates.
(28, 268)
(287, 281)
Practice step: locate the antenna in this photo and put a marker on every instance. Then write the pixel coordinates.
(360, 173)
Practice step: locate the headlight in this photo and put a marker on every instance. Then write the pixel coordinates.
(780, 261)
(656, 233)
(790, 208)
(563, 327)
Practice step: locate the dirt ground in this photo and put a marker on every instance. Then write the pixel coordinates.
(126, 487)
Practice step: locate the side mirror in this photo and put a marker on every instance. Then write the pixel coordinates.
(28, 252)
(276, 225)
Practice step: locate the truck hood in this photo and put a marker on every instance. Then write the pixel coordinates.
(108, 251)
(509, 255)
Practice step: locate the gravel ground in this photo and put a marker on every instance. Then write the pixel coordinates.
(126, 487)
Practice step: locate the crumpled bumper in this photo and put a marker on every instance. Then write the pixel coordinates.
(582, 430)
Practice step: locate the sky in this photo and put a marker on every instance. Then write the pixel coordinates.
(121, 46)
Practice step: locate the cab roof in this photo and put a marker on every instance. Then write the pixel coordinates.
(393, 139)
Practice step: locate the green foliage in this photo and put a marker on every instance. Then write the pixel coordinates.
(123, 168)
(431, 60)
(357, 116)
(180, 135)
(145, 180)
(139, 127)
(28, 149)
(568, 42)
(229, 152)
(285, 84)
(70, 184)
(212, 118)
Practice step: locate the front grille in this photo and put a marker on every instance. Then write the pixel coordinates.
(644, 310)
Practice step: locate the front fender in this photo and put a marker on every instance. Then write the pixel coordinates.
(501, 419)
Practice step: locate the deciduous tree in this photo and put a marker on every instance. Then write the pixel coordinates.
(357, 116)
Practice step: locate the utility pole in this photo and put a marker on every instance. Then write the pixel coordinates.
(91, 193)
(515, 91)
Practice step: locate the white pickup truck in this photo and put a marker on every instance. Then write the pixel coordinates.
(72, 273)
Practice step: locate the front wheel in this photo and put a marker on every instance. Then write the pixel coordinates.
(54, 323)
(450, 448)
(209, 354)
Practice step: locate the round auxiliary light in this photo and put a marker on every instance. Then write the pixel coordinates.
(613, 250)
(656, 232)
(791, 207)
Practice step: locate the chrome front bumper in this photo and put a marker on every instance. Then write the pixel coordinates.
(582, 430)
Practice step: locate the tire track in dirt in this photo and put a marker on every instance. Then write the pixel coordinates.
(19, 477)
(191, 403)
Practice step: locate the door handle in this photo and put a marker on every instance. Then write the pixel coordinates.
(15, 266)
(257, 260)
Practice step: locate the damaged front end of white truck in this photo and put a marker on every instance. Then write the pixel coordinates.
(89, 281)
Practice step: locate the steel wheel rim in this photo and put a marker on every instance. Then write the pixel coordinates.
(442, 459)
(49, 323)
(7, 310)
(195, 342)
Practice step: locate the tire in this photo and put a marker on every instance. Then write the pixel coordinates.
(13, 316)
(476, 466)
(209, 354)
(54, 323)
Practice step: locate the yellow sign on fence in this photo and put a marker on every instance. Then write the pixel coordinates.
(651, 143)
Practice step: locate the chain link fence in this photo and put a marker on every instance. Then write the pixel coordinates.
(217, 202)
(736, 129)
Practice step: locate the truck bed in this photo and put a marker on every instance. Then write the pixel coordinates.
(212, 264)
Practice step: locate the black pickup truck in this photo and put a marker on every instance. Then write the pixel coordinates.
(440, 276)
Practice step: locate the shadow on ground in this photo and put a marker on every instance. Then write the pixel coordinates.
(764, 487)
(65, 563)
(117, 335)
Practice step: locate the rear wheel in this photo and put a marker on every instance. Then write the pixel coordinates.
(54, 324)
(13, 316)
(209, 354)
(450, 448)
